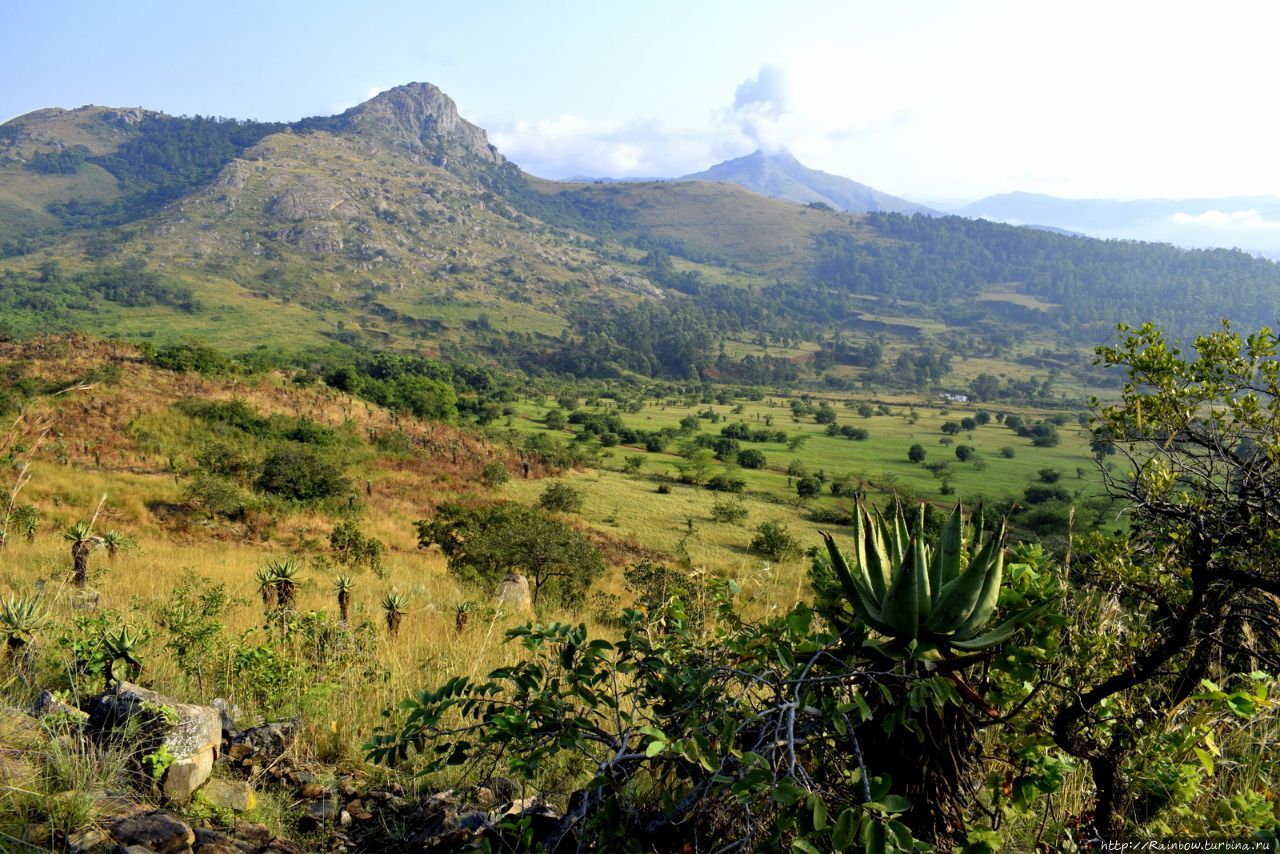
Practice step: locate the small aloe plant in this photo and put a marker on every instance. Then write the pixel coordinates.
(344, 584)
(120, 648)
(19, 620)
(461, 615)
(284, 577)
(80, 535)
(114, 542)
(394, 604)
(926, 598)
(266, 579)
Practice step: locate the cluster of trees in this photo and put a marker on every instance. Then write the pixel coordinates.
(52, 298)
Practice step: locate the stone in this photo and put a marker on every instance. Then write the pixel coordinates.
(216, 842)
(312, 791)
(514, 594)
(265, 743)
(319, 813)
(85, 599)
(186, 775)
(227, 712)
(160, 831)
(49, 703)
(192, 734)
(235, 795)
(89, 840)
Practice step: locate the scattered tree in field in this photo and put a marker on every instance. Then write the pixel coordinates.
(808, 487)
(494, 474)
(916, 453)
(559, 497)
(484, 544)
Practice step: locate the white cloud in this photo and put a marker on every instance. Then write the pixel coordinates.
(571, 146)
(1251, 219)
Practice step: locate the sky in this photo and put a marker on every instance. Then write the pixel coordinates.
(934, 101)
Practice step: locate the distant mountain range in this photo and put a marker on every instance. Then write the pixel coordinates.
(1246, 222)
(780, 176)
(396, 224)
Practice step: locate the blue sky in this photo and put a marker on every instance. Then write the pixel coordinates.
(932, 100)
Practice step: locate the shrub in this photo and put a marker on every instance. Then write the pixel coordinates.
(494, 474)
(298, 473)
(351, 548)
(773, 540)
(808, 487)
(1008, 453)
(729, 510)
(916, 453)
(726, 483)
(1050, 475)
(751, 459)
(964, 453)
(560, 497)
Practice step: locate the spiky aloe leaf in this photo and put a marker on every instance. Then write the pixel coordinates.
(880, 565)
(856, 587)
(920, 566)
(993, 552)
(946, 560)
(901, 603)
(1002, 632)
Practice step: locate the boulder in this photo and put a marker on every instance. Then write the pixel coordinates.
(89, 840)
(217, 842)
(191, 734)
(158, 831)
(262, 745)
(514, 594)
(235, 795)
(49, 703)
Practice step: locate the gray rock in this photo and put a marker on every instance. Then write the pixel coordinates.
(49, 703)
(192, 734)
(159, 831)
(264, 744)
(89, 840)
(217, 842)
(227, 711)
(514, 594)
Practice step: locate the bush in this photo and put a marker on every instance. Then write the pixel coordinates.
(560, 498)
(191, 357)
(773, 540)
(751, 459)
(351, 548)
(555, 419)
(1050, 475)
(1008, 453)
(298, 473)
(964, 453)
(726, 483)
(494, 474)
(808, 487)
(1036, 494)
(916, 453)
(729, 510)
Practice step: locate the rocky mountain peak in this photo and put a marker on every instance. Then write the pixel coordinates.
(422, 117)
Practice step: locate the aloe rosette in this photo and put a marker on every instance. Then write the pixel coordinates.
(926, 597)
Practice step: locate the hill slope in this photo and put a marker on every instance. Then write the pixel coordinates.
(780, 176)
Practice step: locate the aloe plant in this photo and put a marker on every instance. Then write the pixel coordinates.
(119, 648)
(284, 578)
(80, 535)
(394, 604)
(266, 579)
(461, 615)
(344, 584)
(19, 619)
(926, 598)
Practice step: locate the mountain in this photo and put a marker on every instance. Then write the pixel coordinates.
(396, 225)
(1248, 222)
(781, 176)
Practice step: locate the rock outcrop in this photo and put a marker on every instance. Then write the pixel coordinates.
(421, 117)
(191, 734)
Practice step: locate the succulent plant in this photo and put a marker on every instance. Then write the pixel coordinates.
(394, 604)
(926, 598)
(461, 614)
(266, 579)
(19, 619)
(80, 535)
(119, 648)
(284, 577)
(344, 584)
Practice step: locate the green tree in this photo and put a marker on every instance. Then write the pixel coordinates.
(301, 474)
(484, 544)
(916, 453)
